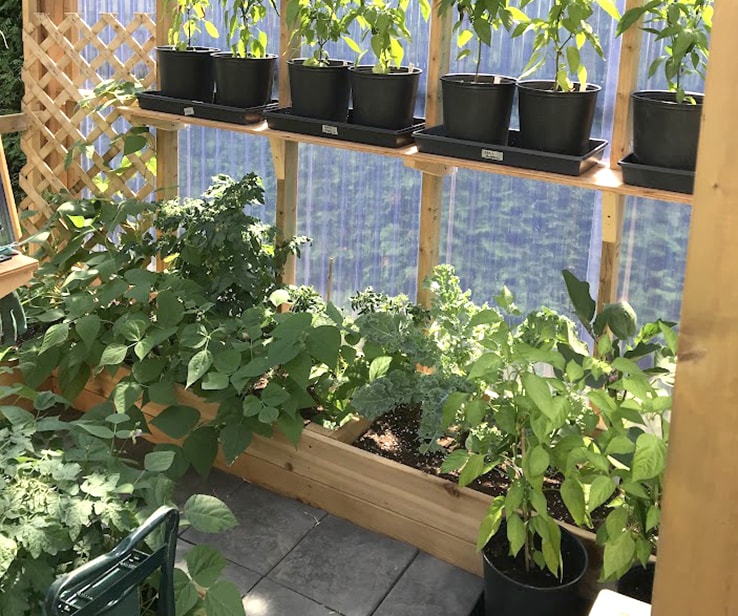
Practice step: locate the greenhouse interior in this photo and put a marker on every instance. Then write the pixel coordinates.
(368, 308)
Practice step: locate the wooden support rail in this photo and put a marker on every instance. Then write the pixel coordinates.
(13, 123)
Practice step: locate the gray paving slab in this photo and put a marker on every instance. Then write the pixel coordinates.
(431, 587)
(343, 566)
(243, 578)
(269, 598)
(270, 526)
(217, 483)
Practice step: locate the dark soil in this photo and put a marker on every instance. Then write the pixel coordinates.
(497, 551)
(638, 583)
(394, 436)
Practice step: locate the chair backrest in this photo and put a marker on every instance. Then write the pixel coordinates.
(109, 584)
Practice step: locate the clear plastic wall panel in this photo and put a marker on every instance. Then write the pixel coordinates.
(205, 152)
(361, 211)
(507, 231)
(653, 258)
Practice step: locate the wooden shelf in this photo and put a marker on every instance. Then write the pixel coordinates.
(600, 177)
(15, 273)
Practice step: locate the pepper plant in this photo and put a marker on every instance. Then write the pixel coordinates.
(318, 22)
(188, 18)
(684, 27)
(560, 36)
(241, 18)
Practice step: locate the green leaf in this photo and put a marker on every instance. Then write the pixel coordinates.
(8, 551)
(600, 490)
(133, 144)
(171, 310)
(609, 7)
(87, 328)
(538, 461)
(621, 445)
(234, 438)
(279, 297)
(209, 514)
(215, 381)
(198, 366)
(649, 459)
(538, 391)
(176, 421)
(323, 343)
(114, 355)
(162, 393)
(486, 367)
(473, 469)
(573, 497)
(223, 599)
(618, 556)
(158, 461)
(491, 522)
(268, 415)
(580, 297)
(515, 533)
(125, 395)
(204, 564)
(54, 336)
(454, 461)
(17, 416)
(200, 448)
(291, 426)
(653, 517)
(227, 361)
(185, 592)
(379, 367)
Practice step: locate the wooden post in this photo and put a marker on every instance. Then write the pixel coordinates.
(431, 191)
(698, 541)
(613, 205)
(285, 154)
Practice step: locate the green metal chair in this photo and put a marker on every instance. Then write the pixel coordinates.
(109, 584)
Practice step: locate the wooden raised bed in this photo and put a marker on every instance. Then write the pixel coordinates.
(431, 513)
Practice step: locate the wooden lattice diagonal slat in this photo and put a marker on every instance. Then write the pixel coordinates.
(62, 60)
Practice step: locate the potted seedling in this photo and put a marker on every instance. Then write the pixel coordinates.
(244, 76)
(522, 424)
(319, 85)
(384, 93)
(185, 70)
(477, 106)
(556, 115)
(666, 123)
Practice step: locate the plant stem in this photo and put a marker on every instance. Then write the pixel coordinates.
(479, 59)
(524, 507)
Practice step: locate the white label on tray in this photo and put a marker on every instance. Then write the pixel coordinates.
(495, 155)
(188, 111)
(330, 130)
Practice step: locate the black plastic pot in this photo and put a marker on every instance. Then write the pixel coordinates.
(477, 110)
(506, 596)
(666, 133)
(187, 74)
(243, 82)
(320, 91)
(638, 582)
(384, 100)
(552, 121)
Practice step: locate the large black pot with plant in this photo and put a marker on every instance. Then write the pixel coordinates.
(666, 123)
(384, 93)
(556, 115)
(477, 106)
(384, 100)
(555, 120)
(244, 76)
(319, 85)
(185, 70)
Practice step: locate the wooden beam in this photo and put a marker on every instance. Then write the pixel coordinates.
(13, 123)
(289, 47)
(7, 189)
(431, 191)
(697, 573)
(285, 156)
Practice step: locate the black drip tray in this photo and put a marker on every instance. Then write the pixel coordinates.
(434, 141)
(155, 101)
(284, 119)
(662, 178)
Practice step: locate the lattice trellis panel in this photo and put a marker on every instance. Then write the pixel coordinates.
(62, 63)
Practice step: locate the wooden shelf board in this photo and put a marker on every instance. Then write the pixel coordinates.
(600, 177)
(15, 273)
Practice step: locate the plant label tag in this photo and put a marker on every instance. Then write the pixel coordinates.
(330, 130)
(189, 111)
(494, 155)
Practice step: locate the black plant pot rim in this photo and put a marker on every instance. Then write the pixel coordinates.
(544, 87)
(204, 50)
(667, 97)
(225, 56)
(367, 70)
(485, 80)
(545, 589)
(332, 64)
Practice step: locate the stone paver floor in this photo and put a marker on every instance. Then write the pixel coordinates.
(292, 559)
